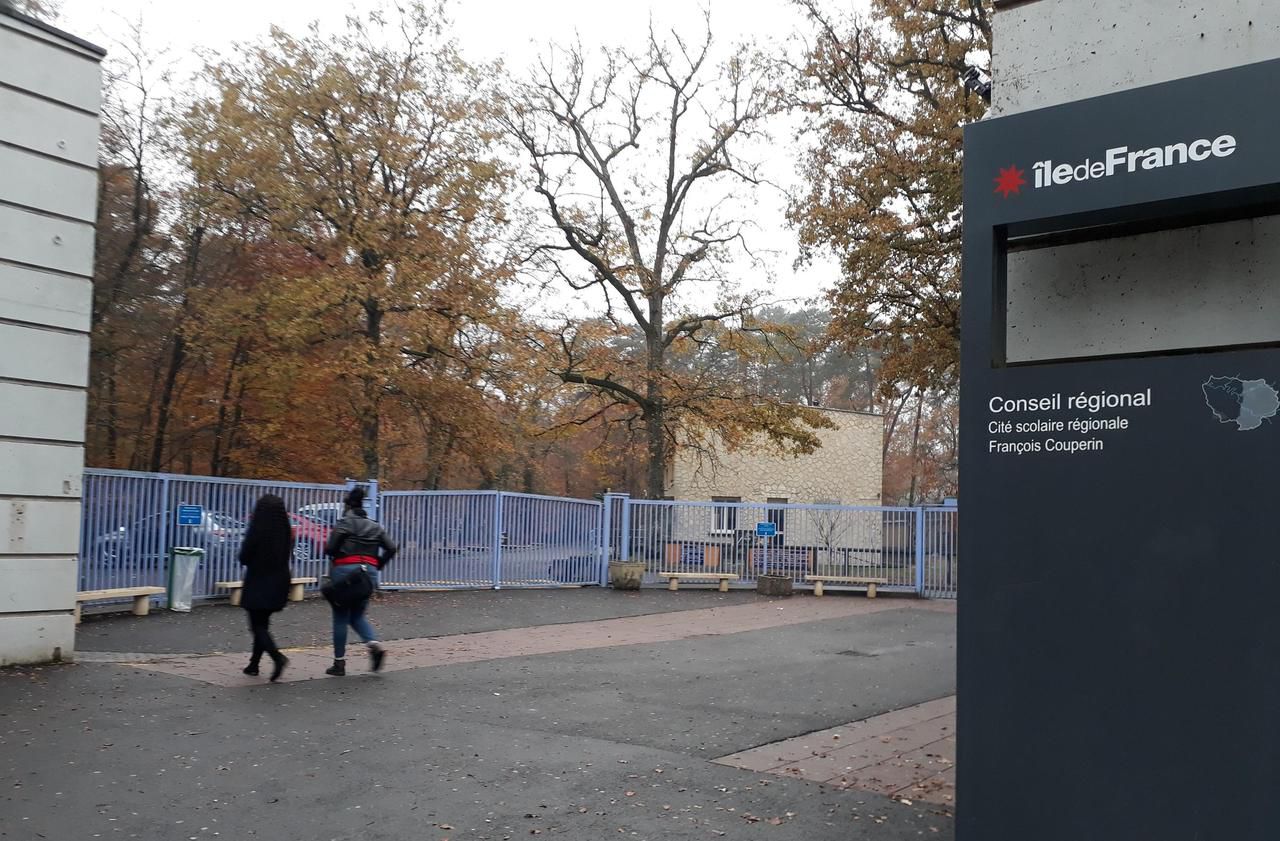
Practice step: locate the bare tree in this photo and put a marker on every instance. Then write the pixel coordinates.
(39, 9)
(830, 525)
(130, 299)
(638, 168)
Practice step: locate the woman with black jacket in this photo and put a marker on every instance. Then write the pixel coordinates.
(265, 553)
(358, 547)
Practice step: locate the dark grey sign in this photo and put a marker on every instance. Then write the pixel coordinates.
(1119, 633)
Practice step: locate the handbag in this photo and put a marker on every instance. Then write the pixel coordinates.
(349, 590)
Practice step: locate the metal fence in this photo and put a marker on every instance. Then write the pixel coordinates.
(837, 540)
(459, 539)
(130, 521)
(941, 553)
(469, 539)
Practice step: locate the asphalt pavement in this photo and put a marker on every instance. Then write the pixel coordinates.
(583, 744)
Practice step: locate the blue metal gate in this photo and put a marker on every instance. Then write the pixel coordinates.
(483, 539)
(129, 522)
(468, 539)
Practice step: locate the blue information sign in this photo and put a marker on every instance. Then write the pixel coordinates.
(766, 529)
(190, 515)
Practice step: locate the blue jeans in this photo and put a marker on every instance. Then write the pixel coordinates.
(351, 616)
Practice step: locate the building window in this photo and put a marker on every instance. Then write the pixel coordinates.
(726, 516)
(778, 516)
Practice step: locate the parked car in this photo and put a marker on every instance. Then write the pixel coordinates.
(144, 542)
(324, 514)
(309, 538)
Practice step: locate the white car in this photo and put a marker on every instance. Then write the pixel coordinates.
(322, 513)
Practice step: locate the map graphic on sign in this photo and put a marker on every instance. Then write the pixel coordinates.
(1246, 403)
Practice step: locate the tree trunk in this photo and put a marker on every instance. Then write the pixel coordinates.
(220, 427)
(140, 224)
(177, 357)
(371, 418)
(113, 414)
(437, 471)
(656, 454)
(893, 423)
(138, 454)
(233, 434)
(655, 409)
(915, 447)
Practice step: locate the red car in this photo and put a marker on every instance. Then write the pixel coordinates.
(309, 539)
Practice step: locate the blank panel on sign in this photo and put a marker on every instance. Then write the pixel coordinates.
(1206, 286)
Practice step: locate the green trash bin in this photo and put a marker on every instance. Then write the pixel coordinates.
(183, 563)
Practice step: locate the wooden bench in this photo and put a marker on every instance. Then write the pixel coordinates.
(141, 598)
(295, 588)
(819, 580)
(674, 578)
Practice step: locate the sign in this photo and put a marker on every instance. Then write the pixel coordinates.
(1146, 449)
(190, 515)
(766, 529)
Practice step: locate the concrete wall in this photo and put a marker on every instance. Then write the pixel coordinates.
(50, 87)
(848, 468)
(1049, 52)
(1204, 286)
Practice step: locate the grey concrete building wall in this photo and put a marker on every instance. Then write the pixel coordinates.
(1047, 52)
(1073, 301)
(50, 88)
(1203, 286)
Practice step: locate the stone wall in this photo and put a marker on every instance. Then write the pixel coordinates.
(847, 468)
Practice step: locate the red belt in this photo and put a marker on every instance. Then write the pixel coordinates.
(356, 559)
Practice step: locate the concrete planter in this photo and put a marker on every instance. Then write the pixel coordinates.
(626, 575)
(774, 585)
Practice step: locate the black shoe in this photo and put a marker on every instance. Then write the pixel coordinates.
(251, 670)
(338, 669)
(376, 656)
(281, 661)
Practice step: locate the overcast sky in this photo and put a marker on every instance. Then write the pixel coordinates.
(515, 31)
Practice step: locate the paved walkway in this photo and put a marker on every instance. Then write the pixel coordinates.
(310, 663)
(908, 754)
(576, 714)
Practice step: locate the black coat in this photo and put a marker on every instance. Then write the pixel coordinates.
(266, 572)
(356, 534)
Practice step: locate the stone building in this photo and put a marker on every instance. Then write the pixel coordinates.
(724, 495)
(846, 469)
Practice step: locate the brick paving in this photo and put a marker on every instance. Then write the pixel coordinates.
(310, 663)
(908, 754)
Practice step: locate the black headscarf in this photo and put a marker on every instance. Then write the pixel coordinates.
(270, 535)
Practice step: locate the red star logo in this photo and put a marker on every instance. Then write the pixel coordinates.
(1010, 180)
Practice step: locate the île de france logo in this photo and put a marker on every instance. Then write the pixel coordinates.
(1010, 181)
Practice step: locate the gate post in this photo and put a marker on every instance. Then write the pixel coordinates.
(624, 540)
(497, 540)
(920, 551)
(165, 530)
(606, 536)
(603, 540)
